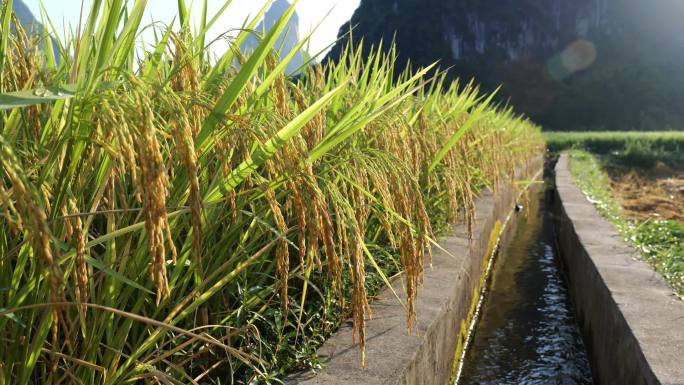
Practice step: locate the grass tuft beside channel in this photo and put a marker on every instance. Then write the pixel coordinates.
(170, 217)
(661, 242)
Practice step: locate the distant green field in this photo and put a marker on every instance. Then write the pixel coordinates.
(632, 147)
(606, 141)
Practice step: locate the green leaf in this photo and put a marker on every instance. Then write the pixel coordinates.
(474, 117)
(125, 41)
(100, 266)
(12, 317)
(27, 98)
(183, 13)
(4, 39)
(381, 273)
(36, 96)
(156, 60)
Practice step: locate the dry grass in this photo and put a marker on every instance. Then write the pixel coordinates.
(657, 193)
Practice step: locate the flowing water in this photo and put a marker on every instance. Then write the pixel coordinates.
(527, 333)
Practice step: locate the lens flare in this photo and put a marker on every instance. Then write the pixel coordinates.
(577, 56)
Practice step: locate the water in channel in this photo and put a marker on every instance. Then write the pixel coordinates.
(527, 333)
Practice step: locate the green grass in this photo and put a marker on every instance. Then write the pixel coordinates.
(661, 243)
(169, 217)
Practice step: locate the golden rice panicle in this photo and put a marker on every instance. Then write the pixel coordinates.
(22, 53)
(313, 131)
(300, 211)
(313, 229)
(186, 81)
(9, 211)
(324, 230)
(183, 137)
(282, 252)
(35, 221)
(360, 307)
(126, 156)
(153, 188)
(282, 97)
(333, 262)
(411, 258)
(26, 71)
(424, 229)
(81, 268)
(340, 229)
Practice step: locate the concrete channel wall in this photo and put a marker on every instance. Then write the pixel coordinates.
(444, 305)
(632, 323)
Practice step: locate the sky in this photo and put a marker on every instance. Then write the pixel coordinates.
(311, 12)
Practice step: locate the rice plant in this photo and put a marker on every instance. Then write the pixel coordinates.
(172, 217)
(606, 142)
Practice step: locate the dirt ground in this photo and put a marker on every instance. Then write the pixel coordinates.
(650, 194)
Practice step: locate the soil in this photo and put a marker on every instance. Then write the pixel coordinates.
(657, 193)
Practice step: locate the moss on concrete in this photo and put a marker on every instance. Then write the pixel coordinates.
(464, 329)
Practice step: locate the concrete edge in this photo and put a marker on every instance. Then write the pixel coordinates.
(632, 322)
(444, 308)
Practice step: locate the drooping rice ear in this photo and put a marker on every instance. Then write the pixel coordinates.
(154, 192)
(35, 221)
(81, 268)
(9, 211)
(282, 252)
(360, 307)
(183, 137)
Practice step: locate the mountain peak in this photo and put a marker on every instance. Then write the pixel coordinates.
(25, 16)
(286, 41)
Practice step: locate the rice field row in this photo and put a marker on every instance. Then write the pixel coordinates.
(629, 149)
(171, 217)
(603, 142)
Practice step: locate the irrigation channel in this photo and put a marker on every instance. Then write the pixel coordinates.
(526, 332)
